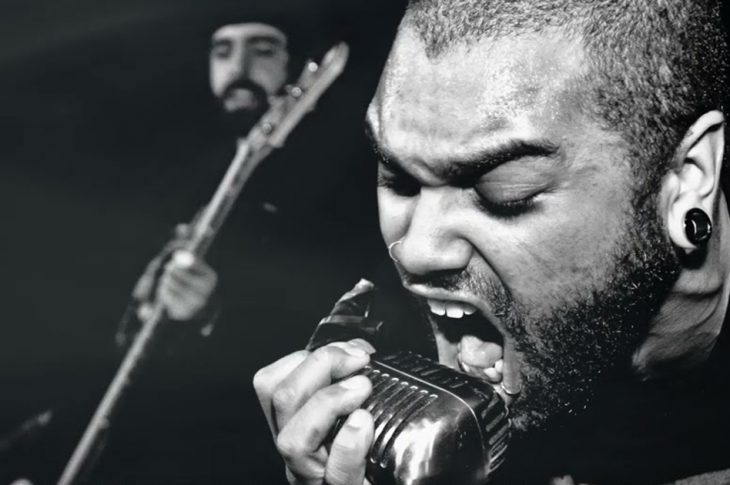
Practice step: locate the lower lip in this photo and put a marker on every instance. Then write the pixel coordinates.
(241, 99)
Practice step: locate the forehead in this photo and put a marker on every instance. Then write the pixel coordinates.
(516, 85)
(245, 31)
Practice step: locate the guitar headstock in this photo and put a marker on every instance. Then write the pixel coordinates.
(299, 99)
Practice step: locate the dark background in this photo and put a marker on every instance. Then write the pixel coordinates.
(108, 137)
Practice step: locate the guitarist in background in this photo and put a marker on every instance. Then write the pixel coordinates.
(248, 70)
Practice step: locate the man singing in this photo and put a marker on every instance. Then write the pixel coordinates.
(549, 188)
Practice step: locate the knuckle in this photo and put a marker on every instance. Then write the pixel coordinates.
(266, 379)
(327, 355)
(290, 477)
(283, 397)
(288, 446)
(325, 398)
(321, 355)
(165, 280)
(262, 382)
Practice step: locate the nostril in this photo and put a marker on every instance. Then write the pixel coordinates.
(431, 256)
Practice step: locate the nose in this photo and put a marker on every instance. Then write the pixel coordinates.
(434, 241)
(240, 63)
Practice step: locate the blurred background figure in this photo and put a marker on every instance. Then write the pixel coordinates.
(132, 144)
(248, 68)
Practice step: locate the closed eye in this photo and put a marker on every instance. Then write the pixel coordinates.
(397, 180)
(509, 208)
(511, 189)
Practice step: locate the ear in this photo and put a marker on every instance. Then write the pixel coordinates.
(694, 181)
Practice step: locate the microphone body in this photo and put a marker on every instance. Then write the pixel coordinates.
(433, 425)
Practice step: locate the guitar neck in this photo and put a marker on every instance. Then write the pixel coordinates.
(208, 224)
(268, 134)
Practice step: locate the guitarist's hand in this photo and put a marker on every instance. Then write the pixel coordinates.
(179, 280)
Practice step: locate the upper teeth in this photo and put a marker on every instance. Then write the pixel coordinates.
(451, 309)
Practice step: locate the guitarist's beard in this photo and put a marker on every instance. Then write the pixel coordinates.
(239, 120)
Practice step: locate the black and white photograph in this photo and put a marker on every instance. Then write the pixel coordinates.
(364, 242)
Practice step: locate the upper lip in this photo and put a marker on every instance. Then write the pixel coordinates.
(457, 297)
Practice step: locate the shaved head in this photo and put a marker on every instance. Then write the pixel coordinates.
(653, 66)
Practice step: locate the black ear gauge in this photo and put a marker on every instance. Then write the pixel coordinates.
(697, 226)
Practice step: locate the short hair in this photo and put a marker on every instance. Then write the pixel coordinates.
(654, 65)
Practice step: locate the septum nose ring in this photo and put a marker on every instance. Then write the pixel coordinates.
(391, 247)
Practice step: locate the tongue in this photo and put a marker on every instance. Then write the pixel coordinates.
(478, 355)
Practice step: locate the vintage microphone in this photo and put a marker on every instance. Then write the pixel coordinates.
(432, 424)
(268, 134)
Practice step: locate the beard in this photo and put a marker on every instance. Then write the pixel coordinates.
(240, 119)
(588, 335)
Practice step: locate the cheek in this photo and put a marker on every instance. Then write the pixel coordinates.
(270, 75)
(218, 76)
(394, 213)
(551, 255)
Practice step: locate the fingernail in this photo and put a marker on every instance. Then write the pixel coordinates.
(358, 419)
(363, 284)
(355, 351)
(353, 383)
(362, 344)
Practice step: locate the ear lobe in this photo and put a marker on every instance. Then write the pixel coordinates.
(677, 217)
(694, 182)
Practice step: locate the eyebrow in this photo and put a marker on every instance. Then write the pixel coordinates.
(223, 42)
(482, 162)
(475, 165)
(254, 38)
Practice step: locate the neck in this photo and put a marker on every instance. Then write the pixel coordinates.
(687, 326)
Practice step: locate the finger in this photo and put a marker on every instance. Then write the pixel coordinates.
(197, 290)
(185, 259)
(146, 284)
(205, 282)
(143, 288)
(349, 451)
(363, 344)
(195, 270)
(300, 441)
(181, 304)
(267, 379)
(318, 370)
(313, 477)
(182, 231)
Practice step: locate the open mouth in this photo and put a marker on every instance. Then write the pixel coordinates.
(241, 98)
(478, 342)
